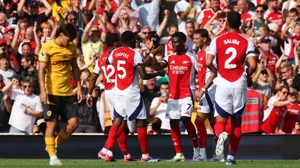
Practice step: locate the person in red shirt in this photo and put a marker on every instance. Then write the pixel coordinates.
(231, 50)
(276, 110)
(273, 15)
(128, 65)
(181, 69)
(293, 112)
(265, 45)
(206, 14)
(243, 8)
(108, 72)
(296, 130)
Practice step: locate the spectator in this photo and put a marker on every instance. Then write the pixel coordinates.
(159, 123)
(29, 72)
(26, 108)
(273, 15)
(149, 13)
(189, 29)
(259, 19)
(4, 68)
(32, 13)
(186, 11)
(10, 10)
(5, 108)
(263, 80)
(243, 8)
(92, 41)
(87, 115)
(208, 13)
(125, 7)
(276, 110)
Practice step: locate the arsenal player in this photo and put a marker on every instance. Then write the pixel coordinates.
(181, 68)
(231, 50)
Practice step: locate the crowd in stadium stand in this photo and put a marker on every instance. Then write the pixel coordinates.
(25, 25)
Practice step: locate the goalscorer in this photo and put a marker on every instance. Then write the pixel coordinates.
(56, 58)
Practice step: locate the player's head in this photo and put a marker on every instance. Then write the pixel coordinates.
(113, 40)
(127, 39)
(66, 34)
(201, 37)
(178, 42)
(234, 20)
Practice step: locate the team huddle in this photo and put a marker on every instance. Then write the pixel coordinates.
(220, 65)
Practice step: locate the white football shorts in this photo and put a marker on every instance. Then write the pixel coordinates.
(179, 108)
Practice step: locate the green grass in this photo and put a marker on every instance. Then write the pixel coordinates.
(32, 163)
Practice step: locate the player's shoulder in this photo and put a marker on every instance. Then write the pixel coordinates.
(49, 44)
(191, 55)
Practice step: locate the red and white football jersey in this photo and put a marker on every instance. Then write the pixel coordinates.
(108, 71)
(181, 70)
(125, 60)
(271, 62)
(275, 17)
(203, 71)
(272, 115)
(292, 114)
(169, 48)
(205, 16)
(230, 51)
(247, 16)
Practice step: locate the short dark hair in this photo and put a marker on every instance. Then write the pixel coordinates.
(26, 43)
(234, 20)
(260, 6)
(294, 10)
(202, 32)
(111, 39)
(3, 55)
(127, 38)
(68, 30)
(180, 35)
(29, 57)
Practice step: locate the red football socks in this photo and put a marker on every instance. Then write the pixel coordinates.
(122, 139)
(143, 139)
(192, 133)
(201, 133)
(235, 137)
(112, 136)
(175, 135)
(219, 128)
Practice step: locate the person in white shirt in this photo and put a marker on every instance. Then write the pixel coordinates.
(26, 108)
(4, 69)
(186, 10)
(158, 109)
(149, 12)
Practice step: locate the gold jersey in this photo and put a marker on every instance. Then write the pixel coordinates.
(58, 70)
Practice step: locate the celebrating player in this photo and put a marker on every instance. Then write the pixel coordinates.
(181, 68)
(128, 65)
(113, 41)
(230, 50)
(56, 58)
(207, 99)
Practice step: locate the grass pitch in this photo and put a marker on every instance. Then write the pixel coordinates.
(32, 163)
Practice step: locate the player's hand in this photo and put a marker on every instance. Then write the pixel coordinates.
(43, 96)
(198, 95)
(157, 50)
(79, 95)
(89, 101)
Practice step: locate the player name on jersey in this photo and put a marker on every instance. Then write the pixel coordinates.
(232, 41)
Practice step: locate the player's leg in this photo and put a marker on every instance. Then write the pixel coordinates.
(205, 109)
(239, 102)
(69, 113)
(224, 109)
(186, 107)
(140, 116)
(122, 141)
(51, 114)
(173, 113)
